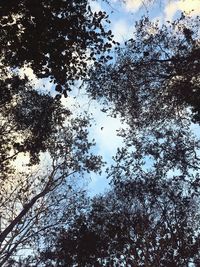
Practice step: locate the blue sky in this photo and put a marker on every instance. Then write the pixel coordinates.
(123, 17)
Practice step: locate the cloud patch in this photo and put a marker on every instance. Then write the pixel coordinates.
(121, 30)
(133, 5)
(189, 6)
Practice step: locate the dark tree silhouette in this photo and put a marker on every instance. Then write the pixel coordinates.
(34, 203)
(150, 217)
(57, 39)
(28, 120)
(155, 75)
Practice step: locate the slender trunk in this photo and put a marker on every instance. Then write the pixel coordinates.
(17, 219)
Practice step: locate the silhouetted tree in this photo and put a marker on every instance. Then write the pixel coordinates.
(57, 39)
(35, 202)
(150, 217)
(156, 74)
(28, 120)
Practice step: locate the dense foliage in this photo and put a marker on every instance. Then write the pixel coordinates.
(156, 74)
(150, 215)
(57, 39)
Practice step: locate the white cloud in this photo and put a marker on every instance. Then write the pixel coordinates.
(42, 85)
(21, 161)
(133, 5)
(95, 6)
(121, 30)
(28, 72)
(192, 6)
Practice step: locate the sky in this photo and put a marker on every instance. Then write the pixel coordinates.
(123, 17)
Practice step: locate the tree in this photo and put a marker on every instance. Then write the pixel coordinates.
(136, 228)
(156, 74)
(57, 39)
(155, 181)
(34, 203)
(28, 120)
(150, 217)
(71, 39)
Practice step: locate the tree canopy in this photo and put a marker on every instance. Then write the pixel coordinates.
(150, 214)
(149, 217)
(57, 39)
(156, 74)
